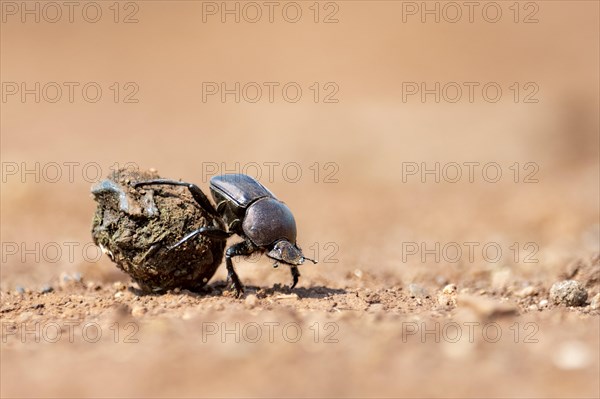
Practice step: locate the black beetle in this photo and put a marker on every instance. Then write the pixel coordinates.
(251, 211)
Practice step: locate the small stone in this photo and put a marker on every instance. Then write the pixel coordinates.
(500, 279)
(64, 277)
(46, 289)
(67, 280)
(25, 316)
(595, 303)
(487, 307)
(450, 289)
(251, 301)
(20, 289)
(358, 273)
(543, 303)
(448, 296)
(118, 294)
(375, 308)
(287, 297)
(138, 311)
(446, 300)
(568, 293)
(533, 308)
(119, 286)
(441, 280)
(416, 291)
(572, 355)
(526, 292)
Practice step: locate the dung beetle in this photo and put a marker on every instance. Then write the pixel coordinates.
(252, 212)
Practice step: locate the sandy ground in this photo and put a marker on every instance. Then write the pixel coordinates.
(424, 287)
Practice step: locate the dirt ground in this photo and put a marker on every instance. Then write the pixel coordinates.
(428, 284)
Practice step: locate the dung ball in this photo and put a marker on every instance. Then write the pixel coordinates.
(136, 226)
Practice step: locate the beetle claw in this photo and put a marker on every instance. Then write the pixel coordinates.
(236, 286)
(238, 292)
(295, 276)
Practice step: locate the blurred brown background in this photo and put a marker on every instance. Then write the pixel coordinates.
(368, 57)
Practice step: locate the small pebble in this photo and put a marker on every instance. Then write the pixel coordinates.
(450, 289)
(138, 311)
(358, 273)
(533, 308)
(20, 289)
(526, 292)
(543, 303)
(448, 296)
(416, 291)
(293, 297)
(119, 286)
(568, 293)
(441, 280)
(572, 355)
(595, 302)
(500, 279)
(375, 308)
(46, 289)
(93, 286)
(251, 300)
(118, 294)
(487, 307)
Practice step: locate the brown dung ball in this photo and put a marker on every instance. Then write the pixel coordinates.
(135, 227)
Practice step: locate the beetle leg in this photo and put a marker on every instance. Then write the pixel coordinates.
(212, 232)
(239, 249)
(197, 194)
(295, 276)
(236, 224)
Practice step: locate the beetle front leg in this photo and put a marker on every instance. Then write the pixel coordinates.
(295, 276)
(243, 248)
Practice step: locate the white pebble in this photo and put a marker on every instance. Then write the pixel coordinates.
(595, 302)
(572, 355)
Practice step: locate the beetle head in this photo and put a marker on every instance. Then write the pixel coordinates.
(289, 253)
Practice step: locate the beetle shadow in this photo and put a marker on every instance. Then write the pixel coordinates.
(218, 288)
(314, 292)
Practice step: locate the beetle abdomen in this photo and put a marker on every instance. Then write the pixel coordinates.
(269, 220)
